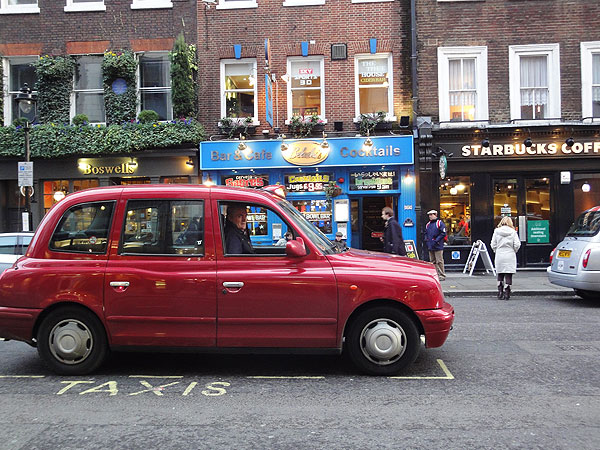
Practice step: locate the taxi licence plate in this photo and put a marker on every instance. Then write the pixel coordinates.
(564, 253)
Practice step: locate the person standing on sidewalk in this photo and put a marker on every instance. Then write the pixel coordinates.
(435, 234)
(393, 242)
(506, 244)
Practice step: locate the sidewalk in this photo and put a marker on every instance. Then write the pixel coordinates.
(480, 284)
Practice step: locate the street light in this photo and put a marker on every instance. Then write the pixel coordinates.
(26, 101)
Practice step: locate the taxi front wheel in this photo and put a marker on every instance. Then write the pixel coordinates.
(382, 341)
(72, 341)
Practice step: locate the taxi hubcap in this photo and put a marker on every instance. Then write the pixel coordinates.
(383, 341)
(71, 341)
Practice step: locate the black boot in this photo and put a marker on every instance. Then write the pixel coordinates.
(500, 291)
(506, 295)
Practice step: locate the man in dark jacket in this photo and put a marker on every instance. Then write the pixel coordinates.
(392, 235)
(237, 240)
(435, 232)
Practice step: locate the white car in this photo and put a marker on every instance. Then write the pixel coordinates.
(575, 262)
(12, 247)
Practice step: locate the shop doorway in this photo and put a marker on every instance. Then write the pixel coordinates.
(526, 200)
(367, 224)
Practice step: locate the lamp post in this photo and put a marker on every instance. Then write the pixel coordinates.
(26, 101)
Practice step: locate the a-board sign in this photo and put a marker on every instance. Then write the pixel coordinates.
(479, 248)
(411, 249)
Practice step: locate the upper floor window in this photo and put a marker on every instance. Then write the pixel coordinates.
(19, 6)
(85, 5)
(462, 83)
(18, 71)
(305, 87)
(151, 4)
(534, 81)
(88, 90)
(155, 84)
(235, 4)
(590, 79)
(238, 88)
(374, 83)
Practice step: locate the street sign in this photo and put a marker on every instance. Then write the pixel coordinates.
(25, 173)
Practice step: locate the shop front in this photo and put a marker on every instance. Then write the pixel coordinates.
(541, 178)
(55, 178)
(339, 184)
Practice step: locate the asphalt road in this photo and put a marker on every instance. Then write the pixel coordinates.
(517, 374)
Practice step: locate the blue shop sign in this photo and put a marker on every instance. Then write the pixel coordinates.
(306, 152)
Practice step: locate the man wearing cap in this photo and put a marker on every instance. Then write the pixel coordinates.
(435, 232)
(339, 243)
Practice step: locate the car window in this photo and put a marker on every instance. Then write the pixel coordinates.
(246, 230)
(26, 241)
(7, 245)
(163, 227)
(314, 234)
(83, 228)
(587, 224)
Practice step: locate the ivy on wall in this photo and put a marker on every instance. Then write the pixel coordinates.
(183, 72)
(54, 85)
(56, 140)
(120, 96)
(1, 92)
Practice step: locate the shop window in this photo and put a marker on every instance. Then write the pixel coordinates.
(237, 4)
(164, 227)
(455, 209)
(374, 84)
(88, 91)
(56, 190)
(317, 212)
(590, 79)
(155, 84)
(238, 88)
(79, 185)
(175, 180)
(534, 82)
(19, 7)
(305, 87)
(85, 5)
(83, 228)
(586, 192)
(462, 81)
(505, 200)
(151, 4)
(18, 71)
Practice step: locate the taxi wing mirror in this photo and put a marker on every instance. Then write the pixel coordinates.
(295, 248)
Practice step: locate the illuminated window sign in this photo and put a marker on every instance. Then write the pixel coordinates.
(307, 182)
(318, 212)
(247, 181)
(374, 181)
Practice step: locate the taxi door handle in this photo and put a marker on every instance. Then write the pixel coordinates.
(119, 286)
(233, 284)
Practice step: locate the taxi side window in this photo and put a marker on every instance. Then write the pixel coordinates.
(84, 228)
(163, 227)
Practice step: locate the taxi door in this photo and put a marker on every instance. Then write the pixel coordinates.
(160, 279)
(269, 299)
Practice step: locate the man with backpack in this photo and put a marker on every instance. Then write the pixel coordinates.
(435, 234)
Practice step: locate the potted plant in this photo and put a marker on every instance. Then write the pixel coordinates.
(332, 189)
(234, 126)
(303, 126)
(373, 121)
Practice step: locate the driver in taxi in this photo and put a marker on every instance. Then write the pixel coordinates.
(237, 238)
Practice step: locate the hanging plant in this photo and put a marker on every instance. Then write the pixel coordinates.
(183, 84)
(54, 85)
(120, 96)
(1, 90)
(303, 126)
(332, 189)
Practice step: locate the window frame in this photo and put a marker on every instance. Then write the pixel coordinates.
(151, 4)
(588, 49)
(75, 91)
(7, 94)
(225, 62)
(236, 4)
(5, 8)
(390, 116)
(74, 6)
(290, 107)
(445, 54)
(162, 89)
(552, 53)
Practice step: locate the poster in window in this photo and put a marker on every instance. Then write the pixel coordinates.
(247, 181)
(307, 182)
(384, 180)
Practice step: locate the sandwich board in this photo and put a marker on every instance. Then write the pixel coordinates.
(479, 248)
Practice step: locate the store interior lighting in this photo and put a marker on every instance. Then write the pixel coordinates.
(585, 187)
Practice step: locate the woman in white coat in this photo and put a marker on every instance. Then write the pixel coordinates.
(506, 244)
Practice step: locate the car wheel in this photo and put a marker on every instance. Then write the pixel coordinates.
(72, 341)
(382, 341)
(588, 295)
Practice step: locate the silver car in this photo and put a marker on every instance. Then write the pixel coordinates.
(12, 247)
(575, 262)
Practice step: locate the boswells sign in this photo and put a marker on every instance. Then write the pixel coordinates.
(537, 149)
(106, 167)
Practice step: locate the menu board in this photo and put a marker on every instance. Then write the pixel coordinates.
(374, 181)
(249, 181)
(307, 182)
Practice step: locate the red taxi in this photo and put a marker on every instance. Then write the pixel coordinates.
(174, 267)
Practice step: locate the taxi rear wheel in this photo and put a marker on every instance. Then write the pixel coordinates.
(382, 341)
(72, 341)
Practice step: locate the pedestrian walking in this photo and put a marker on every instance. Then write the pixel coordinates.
(506, 244)
(393, 242)
(435, 235)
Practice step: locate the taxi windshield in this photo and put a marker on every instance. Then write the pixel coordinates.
(314, 234)
(586, 225)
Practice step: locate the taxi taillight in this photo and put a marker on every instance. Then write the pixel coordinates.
(586, 258)
(552, 254)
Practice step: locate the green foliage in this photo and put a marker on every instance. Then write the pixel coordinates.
(148, 116)
(52, 140)
(234, 126)
(303, 126)
(80, 119)
(368, 122)
(119, 107)
(1, 90)
(183, 85)
(19, 122)
(54, 85)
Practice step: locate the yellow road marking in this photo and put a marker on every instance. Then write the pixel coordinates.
(448, 375)
(22, 376)
(291, 378)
